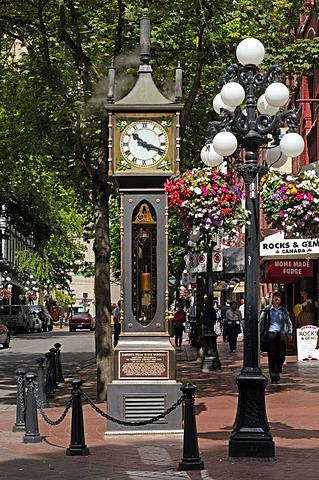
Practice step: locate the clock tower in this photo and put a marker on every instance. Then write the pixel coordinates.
(144, 148)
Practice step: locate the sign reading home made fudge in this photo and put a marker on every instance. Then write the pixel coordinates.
(143, 365)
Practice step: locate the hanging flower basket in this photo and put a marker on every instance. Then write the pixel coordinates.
(5, 294)
(291, 202)
(31, 296)
(208, 200)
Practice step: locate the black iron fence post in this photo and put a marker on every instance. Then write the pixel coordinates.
(49, 387)
(77, 445)
(20, 413)
(31, 421)
(41, 387)
(53, 352)
(59, 373)
(191, 459)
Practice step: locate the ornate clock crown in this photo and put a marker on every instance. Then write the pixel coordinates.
(145, 91)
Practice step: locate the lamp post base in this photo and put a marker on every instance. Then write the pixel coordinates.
(251, 436)
(211, 358)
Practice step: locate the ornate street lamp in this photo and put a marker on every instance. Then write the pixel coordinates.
(251, 123)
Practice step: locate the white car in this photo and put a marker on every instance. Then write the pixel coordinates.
(37, 323)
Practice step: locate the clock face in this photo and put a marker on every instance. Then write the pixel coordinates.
(144, 143)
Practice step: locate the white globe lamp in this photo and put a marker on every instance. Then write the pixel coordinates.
(218, 104)
(194, 235)
(250, 51)
(232, 94)
(292, 144)
(264, 107)
(277, 94)
(225, 143)
(274, 157)
(209, 157)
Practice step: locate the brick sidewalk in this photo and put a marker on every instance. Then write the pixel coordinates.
(292, 409)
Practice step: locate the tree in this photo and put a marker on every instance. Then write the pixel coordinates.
(53, 88)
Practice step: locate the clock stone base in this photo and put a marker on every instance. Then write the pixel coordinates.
(144, 386)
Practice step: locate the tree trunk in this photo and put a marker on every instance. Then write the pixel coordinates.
(103, 334)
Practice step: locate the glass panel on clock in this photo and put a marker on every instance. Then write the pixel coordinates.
(144, 263)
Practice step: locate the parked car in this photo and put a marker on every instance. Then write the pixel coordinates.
(4, 335)
(81, 320)
(17, 317)
(37, 323)
(45, 317)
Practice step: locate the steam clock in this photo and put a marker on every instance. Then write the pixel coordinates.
(144, 135)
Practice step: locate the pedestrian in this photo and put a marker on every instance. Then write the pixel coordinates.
(275, 329)
(242, 311)
(117, 323)
(223, 319)
(233, 319)
(179, 319)
(62, 317)
(306, 311)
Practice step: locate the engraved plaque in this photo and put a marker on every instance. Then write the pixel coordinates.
(143, 365)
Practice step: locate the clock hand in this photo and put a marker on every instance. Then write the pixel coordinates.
(146, 145)
(153, 147)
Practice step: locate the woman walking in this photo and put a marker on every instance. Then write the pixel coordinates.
(233, 319)
(179, 319)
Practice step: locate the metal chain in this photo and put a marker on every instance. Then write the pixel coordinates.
(21, 393)
(40, 407)
(132, 424)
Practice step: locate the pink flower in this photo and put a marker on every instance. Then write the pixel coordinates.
(204, 190)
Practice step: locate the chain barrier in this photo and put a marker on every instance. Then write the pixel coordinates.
(40, 407)
(132, 424)
(21, 394)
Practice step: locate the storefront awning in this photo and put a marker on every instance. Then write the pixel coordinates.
(239, 287)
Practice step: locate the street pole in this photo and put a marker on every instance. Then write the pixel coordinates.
(211, 359)
(248, 123)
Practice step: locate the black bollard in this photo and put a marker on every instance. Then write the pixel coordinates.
(59, 374)
(41, 387)
(49, 387)
(191, 459)
(31, 419)
(20, 414)
(77, 445)
(53, 370)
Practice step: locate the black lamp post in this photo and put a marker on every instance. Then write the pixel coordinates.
(250, 127)
(211, 359)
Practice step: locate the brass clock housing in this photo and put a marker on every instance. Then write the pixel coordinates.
(144, 143)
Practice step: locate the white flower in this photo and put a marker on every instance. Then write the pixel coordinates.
(198, 190)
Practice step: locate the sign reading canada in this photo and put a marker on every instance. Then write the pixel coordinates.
(277, 244)
(143, 365)
(307, 343)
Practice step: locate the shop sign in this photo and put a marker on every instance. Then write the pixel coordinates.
(277, 244)
(307, 338)
(291, 268)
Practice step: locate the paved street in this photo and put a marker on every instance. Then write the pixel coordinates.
(77, 349)
(292, 409)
